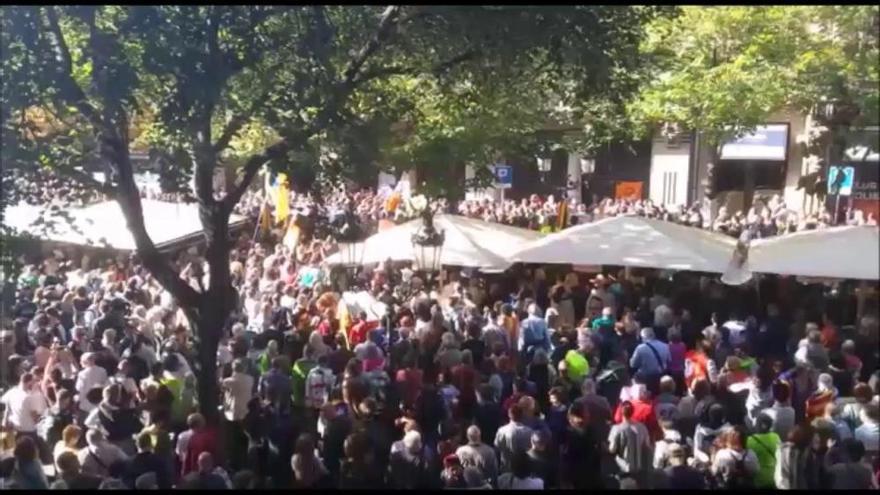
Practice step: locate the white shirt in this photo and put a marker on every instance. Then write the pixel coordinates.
(88, 378)
(127, 383)
(21, 406)
(106, 452)
(237, 391)
(737, 332)
(182, 444)
(869, 435)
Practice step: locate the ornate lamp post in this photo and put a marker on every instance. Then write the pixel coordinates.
(350, 236)
(428, 244)
(544, 167)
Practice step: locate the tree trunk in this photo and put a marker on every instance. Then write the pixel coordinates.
(714, 158)
(207, 332)
(216, 306)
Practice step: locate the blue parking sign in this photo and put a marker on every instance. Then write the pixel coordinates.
(503, 176)
(840, 180)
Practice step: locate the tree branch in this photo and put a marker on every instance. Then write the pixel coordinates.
(65, 73)
(114, 147)
(237, 122)
(437, 69)
(340, 91)
(386, 25)
(251, 168)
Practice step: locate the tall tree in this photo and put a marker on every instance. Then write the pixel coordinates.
(721, 71)
(198, 78)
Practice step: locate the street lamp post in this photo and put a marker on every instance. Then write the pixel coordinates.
(428, 245)
(350, 237)
(544, 167)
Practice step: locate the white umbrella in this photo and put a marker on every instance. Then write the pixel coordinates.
(104, 225)
(634, 241)
(469, 242)
(834, 252)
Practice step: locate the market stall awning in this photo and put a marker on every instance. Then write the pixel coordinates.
(103, 224)
(469, 242)
(634, 241)
(834, 252)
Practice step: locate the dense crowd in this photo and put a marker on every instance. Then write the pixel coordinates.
(535, 378)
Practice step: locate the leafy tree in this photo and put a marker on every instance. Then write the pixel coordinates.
(724, 70)
(287, 87)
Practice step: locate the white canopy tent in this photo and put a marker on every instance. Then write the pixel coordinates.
(634, 241)
(469, 243)
(104, 225)
(835, 252)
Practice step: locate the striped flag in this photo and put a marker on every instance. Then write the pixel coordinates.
(562, 215)
(265, 222)
(344, 317)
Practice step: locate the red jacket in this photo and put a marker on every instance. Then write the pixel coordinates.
(359, 332)
(696, 366)
(643, 412)
(409, 382)
(465, 378)
(201, 441)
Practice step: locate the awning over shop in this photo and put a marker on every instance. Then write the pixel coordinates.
(103, 225)
(469, 243)
(835, 252)
(634, 241)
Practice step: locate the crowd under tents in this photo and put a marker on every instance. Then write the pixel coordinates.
(103, 226)
(633, 241)
(469, 243)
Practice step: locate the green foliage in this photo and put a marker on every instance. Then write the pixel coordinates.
(724, 70)
(440, 85)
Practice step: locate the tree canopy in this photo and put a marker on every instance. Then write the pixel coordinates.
(724, 70)
(298, 88)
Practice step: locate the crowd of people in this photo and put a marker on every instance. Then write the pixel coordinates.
(535, 378)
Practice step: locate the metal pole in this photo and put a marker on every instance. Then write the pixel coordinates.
(836, 207)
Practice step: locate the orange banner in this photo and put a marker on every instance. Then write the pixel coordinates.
(628, 190)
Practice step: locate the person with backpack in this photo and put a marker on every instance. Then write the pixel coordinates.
(797, 467)
(734, 465)
(764, 443)
(650, 360)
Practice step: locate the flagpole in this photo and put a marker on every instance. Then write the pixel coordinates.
(257, 227)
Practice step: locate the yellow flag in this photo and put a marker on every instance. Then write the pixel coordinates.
(282, 206)
(344, 318)
(291, 237)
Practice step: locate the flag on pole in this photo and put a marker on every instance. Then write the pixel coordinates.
(264, 223)
(562, 215)
(282, 199)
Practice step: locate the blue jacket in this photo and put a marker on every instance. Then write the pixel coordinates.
(534, 333)
(645, 361)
